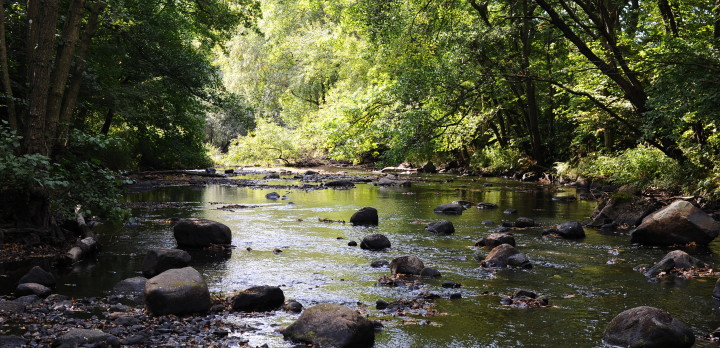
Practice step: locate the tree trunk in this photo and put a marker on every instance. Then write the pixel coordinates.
(108, 121)
(10, 100)
(42, 23)
(63, 64)
(531, 105)
(716, 32)
(77, 75)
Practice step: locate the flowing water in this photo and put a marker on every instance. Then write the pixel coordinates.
(588, 281)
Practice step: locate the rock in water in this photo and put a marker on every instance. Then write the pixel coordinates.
(331, 325)
(679, 223)
(177, 291)
(406, 265)
(367, 216)
(375, 242)
(440, 227)
(39, 276)
(505, 255)
(494, 239)
(571, 230)
(647, 327)
(201, 233)
(157, 261)
(449, 208)
(258, 299)
(523, 222)
(674, 259)
(273, 195)
(87, 338)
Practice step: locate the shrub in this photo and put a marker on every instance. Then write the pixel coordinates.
(497, 159)
(643, 166)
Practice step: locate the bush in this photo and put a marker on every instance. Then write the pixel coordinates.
(497, 159)
(269, 143)
(643, 166)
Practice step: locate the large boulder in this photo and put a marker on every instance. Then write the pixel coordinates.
(406, 265)
(505, 255)
(494, 239)
(177, 291)
(440, 227)
(201, 233)
(674, 259)
(157, 261)
(449, 208)
(647, 327)
(258, 299)
(623, 208)
(375, 242)
(679, 223)
(366, 216)
(715, 293)
(332, 325)
(428, 167)
(87, 338)
(39, 276)
(570, 230)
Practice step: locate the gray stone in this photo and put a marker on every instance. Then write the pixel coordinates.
(12, 306)
(674, 259)
(523, 222)
(157, 261)
(571, 230)
(131, 287)
(39, 290)
(201, 233)
(647, 327)
(331, 325)
(177, 291)
(440, 227)
(449, 208)
(258, 299)
(624, 209)
(38, 275)
(494, 239)
(428, 272)
(679, 223)
(12, 341)
(273, 195)
(375, 242)
(505, 255)
(406, 265)
(486, 205)
(83, 337)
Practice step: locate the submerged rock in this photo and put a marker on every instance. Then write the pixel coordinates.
(375, 242)
(134, 287)
(32, 289)
(331, 325)
(505, 255)
(366, 216)
(157, 261)
(273, 195)
(647, 327)
(679, 223)
(406, 265)
(177, 291)
(440, 227)
(201, 233)
(486, 205)
(258, 299)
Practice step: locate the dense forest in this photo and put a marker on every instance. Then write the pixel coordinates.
(623, 90)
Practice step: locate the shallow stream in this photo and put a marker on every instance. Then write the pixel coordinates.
(588, 281)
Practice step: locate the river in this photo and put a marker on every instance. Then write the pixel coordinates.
(284, 243)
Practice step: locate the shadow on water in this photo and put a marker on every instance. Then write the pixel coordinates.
(303, 248)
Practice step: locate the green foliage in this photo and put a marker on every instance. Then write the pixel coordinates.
(267, 144)
(642, 166)
(499, 160)
(26, 171)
